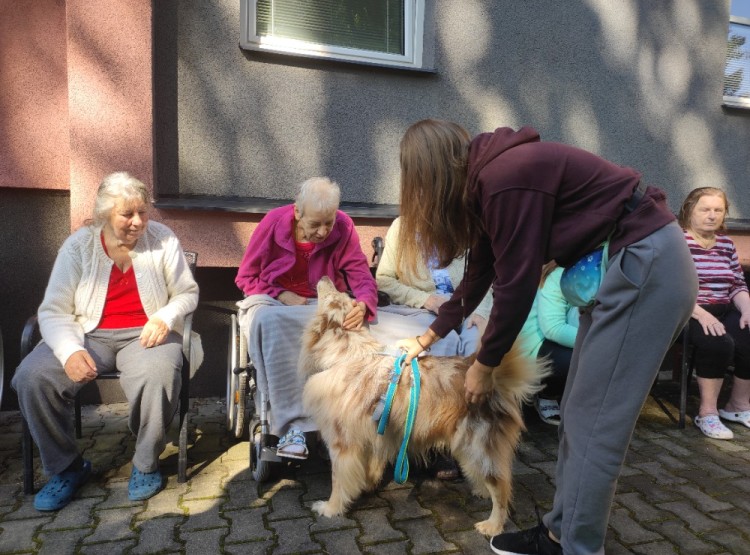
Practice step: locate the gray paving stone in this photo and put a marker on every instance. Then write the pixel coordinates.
(9, 494)
(247, 525)
(107, 548)
(154, 535)
(287, 503)
(703, 502)
(733, 541)
(326, 524)
(77, 514)
(203, 514)
(113, 525)
(424, 536)
(685, 541)
(61, 542)
(641, 510)
(201, 542)
(250, 548)
(376, 527)
(18, 535)
(206, 485)
(662, 476)
(696, 520)
(629, 530)
(339, 541)
(404, 504)
(241, 495)
(388, 548)
(293, 536)
(117, 496)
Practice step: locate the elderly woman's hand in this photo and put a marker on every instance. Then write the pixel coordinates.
(154, 333)
(80, 367)
(356, 316)
(291, 299)
(434, 302)
(479, 321)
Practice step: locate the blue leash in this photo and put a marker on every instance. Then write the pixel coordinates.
(401, 471)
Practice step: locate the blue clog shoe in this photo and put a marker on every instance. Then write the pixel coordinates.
(144, 485)
(61, 488)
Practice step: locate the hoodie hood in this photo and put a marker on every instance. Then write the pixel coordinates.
(488, 146)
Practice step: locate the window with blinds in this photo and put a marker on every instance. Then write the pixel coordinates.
(737, 68)
(385, 32)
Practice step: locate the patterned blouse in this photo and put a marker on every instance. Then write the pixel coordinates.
(720, 275)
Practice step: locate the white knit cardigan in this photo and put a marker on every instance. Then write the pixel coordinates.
(415, 291)
(77, 288)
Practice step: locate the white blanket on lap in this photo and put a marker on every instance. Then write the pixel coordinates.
(274, 333)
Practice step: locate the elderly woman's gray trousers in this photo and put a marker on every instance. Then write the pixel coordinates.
(150, 379)
(646, 298)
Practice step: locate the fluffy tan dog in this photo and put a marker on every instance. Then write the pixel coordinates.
(345, 378)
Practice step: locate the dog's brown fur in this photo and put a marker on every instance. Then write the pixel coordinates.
(345, 377)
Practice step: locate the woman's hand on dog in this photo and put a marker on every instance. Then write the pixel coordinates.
(478, 382)
(356, 316)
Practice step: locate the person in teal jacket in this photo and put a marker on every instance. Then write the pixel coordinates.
(550, 331)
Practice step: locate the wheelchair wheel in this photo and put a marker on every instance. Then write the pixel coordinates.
(236, 383)
(259, 468)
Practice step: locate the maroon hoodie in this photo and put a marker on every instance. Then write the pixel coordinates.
(539, 201)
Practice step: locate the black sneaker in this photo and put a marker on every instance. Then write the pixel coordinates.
(534, 541)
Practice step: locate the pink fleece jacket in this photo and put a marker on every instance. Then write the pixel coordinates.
(271, 253)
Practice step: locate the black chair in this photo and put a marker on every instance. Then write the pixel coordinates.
(686, 371)
(29, 338)
(2, 369)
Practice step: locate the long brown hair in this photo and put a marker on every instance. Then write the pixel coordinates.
(435, 216)
(692, 199)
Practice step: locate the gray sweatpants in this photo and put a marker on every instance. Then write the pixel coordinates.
(646, 298)
(150, 379)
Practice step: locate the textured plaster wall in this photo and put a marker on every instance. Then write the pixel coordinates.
(636, 81)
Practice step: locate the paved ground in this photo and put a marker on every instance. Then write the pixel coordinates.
(679, 493)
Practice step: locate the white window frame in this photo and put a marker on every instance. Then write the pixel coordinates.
(413, 38)
(738, 101)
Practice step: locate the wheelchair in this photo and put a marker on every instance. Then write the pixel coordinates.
(247, 406)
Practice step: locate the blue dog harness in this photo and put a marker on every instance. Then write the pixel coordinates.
(401, 471)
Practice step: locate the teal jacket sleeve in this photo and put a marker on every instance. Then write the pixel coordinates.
(552, 312)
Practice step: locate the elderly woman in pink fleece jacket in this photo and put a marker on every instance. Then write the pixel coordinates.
(290, 250)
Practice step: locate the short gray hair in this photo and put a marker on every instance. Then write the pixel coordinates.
(318, 193)
(117, 186)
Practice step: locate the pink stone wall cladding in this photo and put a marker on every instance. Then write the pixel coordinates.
(110, 95)
(34, 149)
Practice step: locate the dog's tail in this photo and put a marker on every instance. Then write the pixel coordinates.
(516, 381)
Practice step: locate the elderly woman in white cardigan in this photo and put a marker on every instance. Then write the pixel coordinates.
(427, 290)
(117, 297)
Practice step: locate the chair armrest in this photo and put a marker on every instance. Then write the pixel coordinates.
(27, 335)
(186, 337)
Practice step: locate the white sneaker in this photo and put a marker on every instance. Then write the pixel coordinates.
(549, 410)
(712, 427)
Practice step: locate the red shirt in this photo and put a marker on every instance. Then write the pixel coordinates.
(297, 279)
(122, 306)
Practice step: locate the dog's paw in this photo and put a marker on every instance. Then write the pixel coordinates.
(323, 508)
(488, 528)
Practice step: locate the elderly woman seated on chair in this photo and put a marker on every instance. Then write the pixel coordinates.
(116, 300)
(719, 328)
(290, 250)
